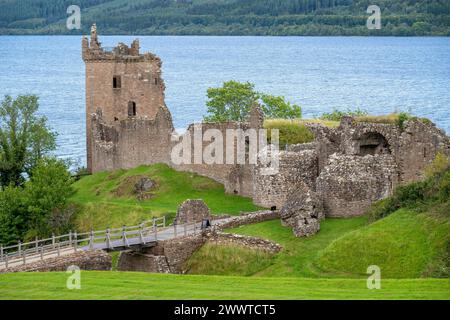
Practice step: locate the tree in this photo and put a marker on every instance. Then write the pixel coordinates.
(234, 100)
(277, 107)
(47, 193)
(231, 102)
(24, 138)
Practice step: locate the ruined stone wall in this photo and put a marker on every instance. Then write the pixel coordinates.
(236, 178)
(85, 260)
(418, 146)
(247, 218)
(167, 256)
(131, 142)
(221, 238)
(294, 167)
(349, 183)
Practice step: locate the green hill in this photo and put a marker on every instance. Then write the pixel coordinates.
(108, 199)
(227, 17)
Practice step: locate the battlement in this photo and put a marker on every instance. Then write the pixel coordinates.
(92, 50)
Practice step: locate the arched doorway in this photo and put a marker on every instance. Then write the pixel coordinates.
(373, 143)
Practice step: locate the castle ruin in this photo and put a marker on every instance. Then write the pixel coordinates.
(344, 169)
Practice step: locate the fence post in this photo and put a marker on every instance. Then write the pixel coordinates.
(156, 232)
(108, 238)
(175, 230)
(23, 257)
(70, 238)
(141, 237)
(185, 230)
(37, 245)
(42, 253)
(1, 252)
(20, 247)
(58, 249)
(6, 261)
(91, 240)
(53, 240)
(76, 241)
(124, 235)
(164, 221)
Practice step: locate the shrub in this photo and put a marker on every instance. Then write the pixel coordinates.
(337, 115)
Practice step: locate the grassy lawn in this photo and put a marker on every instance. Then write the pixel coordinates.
(116, 285)
(107, 198)
(298, 254)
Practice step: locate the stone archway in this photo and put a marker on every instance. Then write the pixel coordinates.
(373, 143)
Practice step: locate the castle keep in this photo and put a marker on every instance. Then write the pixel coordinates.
(127, 122)
(339, 174)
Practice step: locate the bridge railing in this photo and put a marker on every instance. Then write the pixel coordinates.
(103, 239)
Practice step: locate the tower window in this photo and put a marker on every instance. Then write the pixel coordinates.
(131, 109)
(156, 81)
(116, 82)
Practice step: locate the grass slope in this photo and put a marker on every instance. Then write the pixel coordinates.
(233, 260)
(404, 245)
(107, 199)
(295, 260)
(117, 285)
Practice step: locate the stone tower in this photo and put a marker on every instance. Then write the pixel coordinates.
(122, 86)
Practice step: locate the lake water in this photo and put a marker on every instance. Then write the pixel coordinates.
(381, 75)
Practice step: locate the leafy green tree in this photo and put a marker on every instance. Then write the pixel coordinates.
(13, 215)
(24, 138)
(234, 100)
(277, 107)
(47, 193)
(40, 206)
(231, 102)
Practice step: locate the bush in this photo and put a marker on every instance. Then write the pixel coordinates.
(40, 206)
(337, 115)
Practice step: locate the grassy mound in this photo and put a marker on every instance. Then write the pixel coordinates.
(107, 198)
(135, 285)
(297, 255)
(404, 245)
(214, 259)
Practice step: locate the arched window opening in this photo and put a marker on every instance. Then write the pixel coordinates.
(373, 143)
(131, 109)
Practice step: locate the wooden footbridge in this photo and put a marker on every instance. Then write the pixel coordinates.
(146, 234)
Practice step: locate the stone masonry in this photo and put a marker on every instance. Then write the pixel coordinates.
(85, 260)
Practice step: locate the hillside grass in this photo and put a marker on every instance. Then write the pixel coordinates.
(232, 260)
(129, 285)
(106, 199)
(404, 245)
(296, 257)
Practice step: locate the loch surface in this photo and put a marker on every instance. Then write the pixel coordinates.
(379, 74)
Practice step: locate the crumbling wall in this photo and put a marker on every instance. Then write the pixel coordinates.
(167, 256)
(131, 142)
(85, 260)
(349, 183)
(294, 167)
